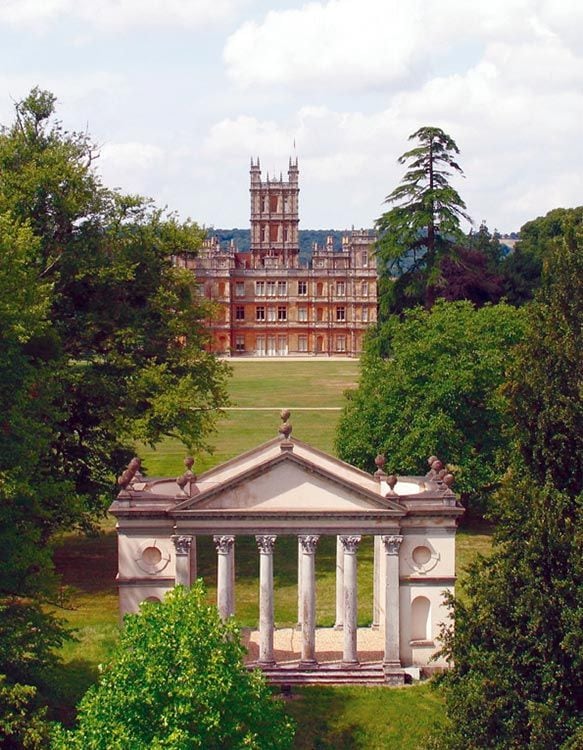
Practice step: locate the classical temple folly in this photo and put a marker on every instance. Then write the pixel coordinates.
(286, 487)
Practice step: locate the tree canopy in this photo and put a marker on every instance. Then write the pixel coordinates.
(177, 681)
(101, 345)
(517, 648)
(424, 224)
(429, 385)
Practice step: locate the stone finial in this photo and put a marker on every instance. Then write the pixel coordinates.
(391, 481)
(380, 462)
(132, 472)
(285, 429)
(448, 479)
(435, 468)
(187, 481)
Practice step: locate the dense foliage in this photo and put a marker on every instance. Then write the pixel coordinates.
(177, 681)
(517, 650)
(422, 228)
(429, 385)
(101, 344)
(306, 237)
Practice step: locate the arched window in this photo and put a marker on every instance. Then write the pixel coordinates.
(421, 619)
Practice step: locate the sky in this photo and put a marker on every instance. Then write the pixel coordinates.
(179, 94)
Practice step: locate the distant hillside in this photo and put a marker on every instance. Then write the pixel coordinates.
(307, 238)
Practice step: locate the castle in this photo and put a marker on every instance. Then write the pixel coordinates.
(271, 304)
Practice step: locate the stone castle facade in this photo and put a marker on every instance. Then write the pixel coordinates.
(271, 304)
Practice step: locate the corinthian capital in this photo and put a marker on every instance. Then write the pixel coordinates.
(350, 543)
(182, 544)
(265, 544)
(309, 543)
(392, 544)
(224, 544)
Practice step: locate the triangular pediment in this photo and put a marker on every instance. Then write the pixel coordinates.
(298, 479)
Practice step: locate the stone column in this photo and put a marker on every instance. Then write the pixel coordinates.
(376, 591)
(299, 583)
(224, 545)
(193, 561)
(350, 545)
(182, 544)
(392, 648)
(339, 584)
(266, 624)
(308, 614)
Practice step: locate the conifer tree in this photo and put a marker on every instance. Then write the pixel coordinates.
(517, 649)
(424, 224)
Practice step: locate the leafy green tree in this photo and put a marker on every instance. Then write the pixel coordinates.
(126, 335)
(522, 269)
(101, 344)
(429, 384)
(424, 225)
(177, 681)
(517, 648)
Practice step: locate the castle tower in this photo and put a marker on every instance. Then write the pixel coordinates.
(274, 217)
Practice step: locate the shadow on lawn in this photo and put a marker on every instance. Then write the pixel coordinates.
(88, 563)
(314, 720)
(71, 680)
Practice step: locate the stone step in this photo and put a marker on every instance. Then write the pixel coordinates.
(332, 674)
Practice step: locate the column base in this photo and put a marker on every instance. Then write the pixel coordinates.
(394, 674)
(350, 663)
(308, 664)
(265, 663)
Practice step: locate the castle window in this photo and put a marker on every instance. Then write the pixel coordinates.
(320, 314)
(240, 289)
(364, 288)
(365, 314)
(340, 313)
(262, 204)
(302, 288)
(364, 259)
(271, 288)
(260, 288)
(273, 203)
(340, 343)
(239, 343)
(239, 312)
(285, 234)
(282, 313)
(302, 343)
(274, 232)
(340, 289)
(302, 314)
(271, 314)
(320, 289)
(282, 288)
(259, 313)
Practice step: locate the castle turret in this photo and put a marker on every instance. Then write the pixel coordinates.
(274, 217)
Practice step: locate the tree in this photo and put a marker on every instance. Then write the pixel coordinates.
(429, 385)
(177, 681)
(417, 233)
(522, 268)
(101, 345)
(517, 648)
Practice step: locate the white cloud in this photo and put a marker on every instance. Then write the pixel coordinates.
(117, 14)
(353, 45)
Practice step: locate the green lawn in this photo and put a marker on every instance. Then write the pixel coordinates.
(355, 718)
